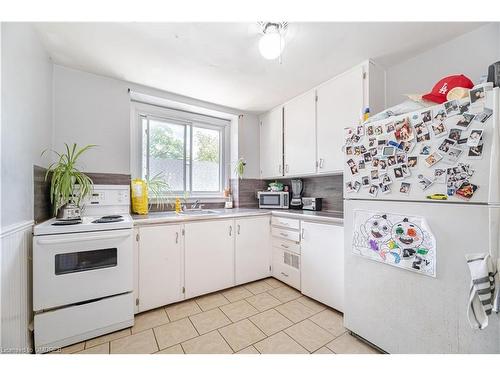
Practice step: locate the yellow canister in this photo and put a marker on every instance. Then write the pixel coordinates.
(139, 196)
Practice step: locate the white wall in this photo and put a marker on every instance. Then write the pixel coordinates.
(89, 108)
(468, 54)
(26, 118)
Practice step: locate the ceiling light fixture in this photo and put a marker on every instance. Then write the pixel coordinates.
(272, 42)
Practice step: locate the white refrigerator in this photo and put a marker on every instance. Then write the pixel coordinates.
(433, 199)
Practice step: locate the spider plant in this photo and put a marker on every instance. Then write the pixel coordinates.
(159, 189)
(239, 169)
(65, 175)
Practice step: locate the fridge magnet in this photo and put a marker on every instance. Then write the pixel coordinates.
(405, 188)
(464, 120)
(453, 155)
(438, 129)
(401, 158)
(462, 141)
(403, 131)
(456, 176)
(373, 190)
(382, 165)
(466, 191)
(385, 189)
(423, 138)
(433, 159)
(355, 138)
(475, 152)
(357, 151)
(395, 145)
(439, 175)
(463, 107)
(375, 161)
(421, 129)
(352, 165)
(423, 182)
(391, 161)
(348, 150)
(440, 115)
(349, 188)
(455, 134)
(451, 108)
(425, 149)
(365, 181)
(371, 142)
(369, 130)
(389, 128)
(360, 131)
(405, 170)
(361, 164)
(398, 173)
(437, 197)
(407, 146)
(397, 240)
(477, 95)
(356, 185)
(378, 130)
(474, 137)
(388, 151)
(381, 143)
(427, 116)
(362, 149)
(373, 151)
(446, 144)
(412, 161)
(483, 116)
(374, 174)
(386, 179)
(367, 156)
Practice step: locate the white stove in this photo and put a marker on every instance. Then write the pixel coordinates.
(83, 273)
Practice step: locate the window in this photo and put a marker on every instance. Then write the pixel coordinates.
(186, 151)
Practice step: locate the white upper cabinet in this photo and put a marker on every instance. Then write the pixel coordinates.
(271, 144)
(300, 135)
(340, 104)
(313, 123)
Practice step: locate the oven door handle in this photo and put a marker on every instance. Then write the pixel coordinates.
(53, 241)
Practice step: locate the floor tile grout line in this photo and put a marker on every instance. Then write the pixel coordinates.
(156, 340)
(223, 338)
(296, 341)
(324, 329)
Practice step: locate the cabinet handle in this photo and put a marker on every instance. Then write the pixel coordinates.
(230, 230)
(284, 274)
(321, 161)
(285, 246)
(302, 233)
(284, 224)
(238, 228)
(286, 168)
(176, 237)
(284, 234)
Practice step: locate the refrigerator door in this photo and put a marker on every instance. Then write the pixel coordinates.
(406, 312)
(486, 172)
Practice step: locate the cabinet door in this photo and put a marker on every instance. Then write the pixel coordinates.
(271, 144)
(300, 135)
(340, 104)
(209, 256)
(253, 249)
(322, 256)
(161, 275)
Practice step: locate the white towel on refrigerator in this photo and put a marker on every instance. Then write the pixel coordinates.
(483, 297)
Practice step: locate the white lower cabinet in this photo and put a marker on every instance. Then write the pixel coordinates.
(161, 266)
(322, 268)
(286, 267)
(252, 249)
(209, 256)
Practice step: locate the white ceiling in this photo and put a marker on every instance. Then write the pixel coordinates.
(220, 62)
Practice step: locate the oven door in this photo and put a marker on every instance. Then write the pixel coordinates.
(79, 267)
(270, 200)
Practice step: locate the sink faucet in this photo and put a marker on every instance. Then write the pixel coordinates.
(195, 204)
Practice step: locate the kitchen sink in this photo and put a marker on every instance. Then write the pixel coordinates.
(198, 212)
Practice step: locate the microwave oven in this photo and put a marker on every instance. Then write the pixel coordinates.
(273, 199)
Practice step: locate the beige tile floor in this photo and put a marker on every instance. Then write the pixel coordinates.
(265, 317)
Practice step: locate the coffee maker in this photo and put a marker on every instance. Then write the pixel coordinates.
(296, 201)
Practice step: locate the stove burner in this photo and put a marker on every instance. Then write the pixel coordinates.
(109, 219)
(67, 222)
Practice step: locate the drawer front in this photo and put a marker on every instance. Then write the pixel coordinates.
(285, 222)
(286, 234)
(286, 272)
(286, 245)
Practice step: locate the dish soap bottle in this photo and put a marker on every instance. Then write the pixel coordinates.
(177, 205)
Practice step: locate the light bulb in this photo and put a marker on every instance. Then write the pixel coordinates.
(271, 45)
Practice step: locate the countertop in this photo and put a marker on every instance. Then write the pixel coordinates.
(172, 217)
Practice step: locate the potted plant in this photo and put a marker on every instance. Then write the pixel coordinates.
(65, 176)
(239, 169)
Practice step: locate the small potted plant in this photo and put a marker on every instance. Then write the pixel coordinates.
(65, 176)
(239, 169)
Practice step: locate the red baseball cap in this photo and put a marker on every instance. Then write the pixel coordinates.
(440, 89)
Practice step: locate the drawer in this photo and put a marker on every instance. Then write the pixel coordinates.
(286, 245)
(285, 222)
(285, 234)
(285, 272)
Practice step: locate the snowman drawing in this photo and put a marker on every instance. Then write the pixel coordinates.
(377, 232)
(409, 238)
